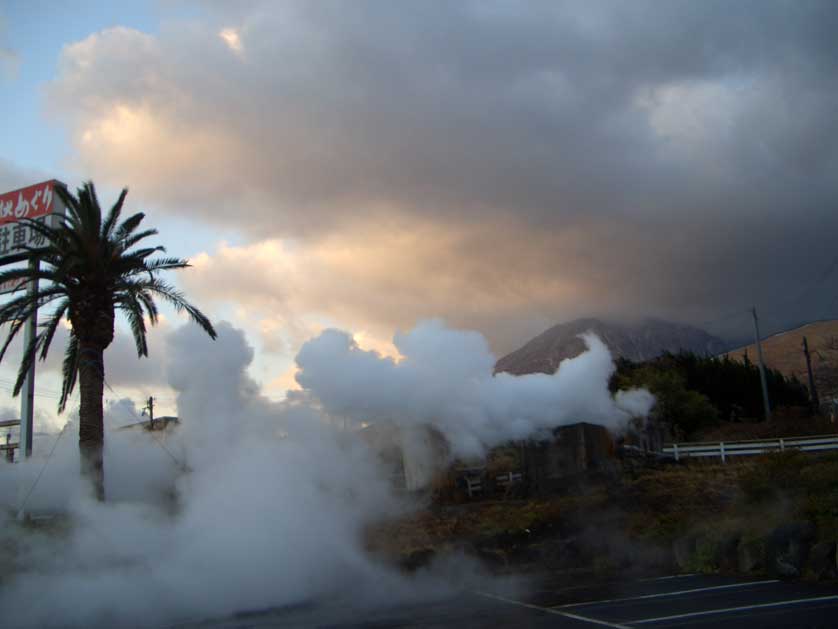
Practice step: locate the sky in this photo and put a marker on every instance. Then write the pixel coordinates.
(503, 166)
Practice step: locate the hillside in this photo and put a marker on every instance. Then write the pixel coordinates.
(784, 352)
(637, 343)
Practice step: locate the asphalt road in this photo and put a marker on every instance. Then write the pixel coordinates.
(678, 601)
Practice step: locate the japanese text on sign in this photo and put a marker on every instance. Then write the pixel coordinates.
(37, 202)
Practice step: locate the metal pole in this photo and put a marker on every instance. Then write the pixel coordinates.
(27, 401)
(765, 403)
(813, 392)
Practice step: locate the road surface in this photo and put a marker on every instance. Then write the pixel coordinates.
(676, 601)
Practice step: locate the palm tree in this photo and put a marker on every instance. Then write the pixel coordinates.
(90, 268)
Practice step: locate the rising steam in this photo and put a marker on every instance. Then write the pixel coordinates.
(272, 508)
(445, 380)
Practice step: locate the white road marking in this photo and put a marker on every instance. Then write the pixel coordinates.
(549, 610)
(710, 612)
(672, 576)
(677, 593)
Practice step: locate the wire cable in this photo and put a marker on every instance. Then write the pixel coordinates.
(41, 473)
(183, 467)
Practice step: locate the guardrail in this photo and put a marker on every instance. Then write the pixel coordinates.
(725, 449)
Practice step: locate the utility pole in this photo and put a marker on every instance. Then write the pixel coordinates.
(149, 408)
(765, 403)
(27, 399)
(813, 392)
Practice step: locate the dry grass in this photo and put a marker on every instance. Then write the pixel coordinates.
(785, 423)
(744, 498)
(784, 352)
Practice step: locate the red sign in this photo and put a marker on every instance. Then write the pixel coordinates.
(38, 202)
(30, 202)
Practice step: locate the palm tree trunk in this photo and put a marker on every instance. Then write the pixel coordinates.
(91, 417)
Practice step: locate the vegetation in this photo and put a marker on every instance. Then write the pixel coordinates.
(695, 393)
(703, 516)
(90, 267)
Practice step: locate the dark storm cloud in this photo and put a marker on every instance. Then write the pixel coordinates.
(678, 157)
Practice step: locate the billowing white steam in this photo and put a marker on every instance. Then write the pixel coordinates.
(276, 498)
(445, 380)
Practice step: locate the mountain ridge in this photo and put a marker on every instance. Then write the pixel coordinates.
(636, 342)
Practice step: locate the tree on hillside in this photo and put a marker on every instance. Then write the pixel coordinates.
(91, 267)
(696, 392)
(684, 410)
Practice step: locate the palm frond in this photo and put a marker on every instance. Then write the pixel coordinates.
(133, 239)
(88, 262)
(51, 325)
(113, 216)
(178, 300)
(128, 226)
(166, 264)
(69, 371)
(29, 354)
(134, 313)
(91, 214)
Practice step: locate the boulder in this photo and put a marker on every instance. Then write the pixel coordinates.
(750, 555)
(727, 551)
(564, 554)
(683, 550)
(821, 562)
(788, 548)
(417, 559)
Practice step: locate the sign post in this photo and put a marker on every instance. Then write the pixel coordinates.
(37, 202)
(27, 399)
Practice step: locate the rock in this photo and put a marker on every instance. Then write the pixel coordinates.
(727, 555)
(750, 555)
(822, 562)
(788, 548)
(788, 564)
(492, 557)
(683, 550)
(564, 554)
(417, 559)
(800, 531)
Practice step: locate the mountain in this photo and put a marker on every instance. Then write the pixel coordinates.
(638, 342)
(784, 352)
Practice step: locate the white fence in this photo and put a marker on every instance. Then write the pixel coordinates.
(724, 449)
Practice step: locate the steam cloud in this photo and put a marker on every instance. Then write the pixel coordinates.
(276, 499)
(446, 380)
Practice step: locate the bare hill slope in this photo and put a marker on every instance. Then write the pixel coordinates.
(784, 352)
(639, 342)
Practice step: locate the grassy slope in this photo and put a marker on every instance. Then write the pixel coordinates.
(784, 352)
(633, 521)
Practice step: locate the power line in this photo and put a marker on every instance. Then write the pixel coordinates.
(183, 467)
(41, 473)
(772, 311)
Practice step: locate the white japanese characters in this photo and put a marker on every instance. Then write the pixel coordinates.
(34, 202)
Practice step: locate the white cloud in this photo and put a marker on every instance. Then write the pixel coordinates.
(557, 153)
(232, 38)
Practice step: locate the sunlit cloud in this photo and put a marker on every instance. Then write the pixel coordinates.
(544, 164)
(231, 37)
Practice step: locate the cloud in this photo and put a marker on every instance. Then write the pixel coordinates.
(672, 159)
(9, 63)
(9, 58)
(13, 176)
(375, 280)
(123, 368)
